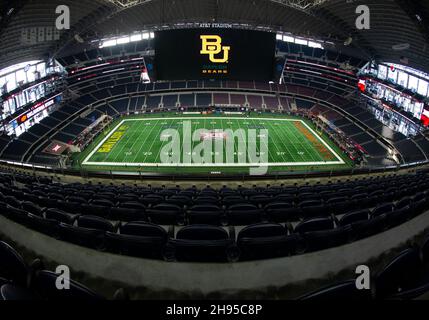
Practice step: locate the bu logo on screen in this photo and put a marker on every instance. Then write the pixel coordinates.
(212, 46)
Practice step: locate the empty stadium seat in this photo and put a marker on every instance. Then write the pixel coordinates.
(367, 228)
(11, 292)
(343, 291)
(44, 283)
(315, 224)
(127, 214)
(283, 214)
(31, 208)
(12, 265)
(43, 225)
(95, 210)
(398, 216)
(314, 208)
(267, 240)
(403, 278)
(139, 239)
(324, 239)
(169, 214)
(202, 243)
(243, 214)
(353, 217)
(96, 223)
(61, 216)
(382, 209)
(92, 238)
(338, 205)
(180, 200)
(205, 214)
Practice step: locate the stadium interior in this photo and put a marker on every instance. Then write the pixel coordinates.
(214, 149)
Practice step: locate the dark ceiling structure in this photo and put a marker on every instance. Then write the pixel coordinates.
(393, 23)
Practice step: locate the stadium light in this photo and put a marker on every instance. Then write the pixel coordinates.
(306, 42)
(313, 44)
(109, 43)
(123, 40)
(136, 37)
(301, 41)
(288, 39)
(140, 36)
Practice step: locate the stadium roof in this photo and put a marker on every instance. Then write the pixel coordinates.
(393, 22)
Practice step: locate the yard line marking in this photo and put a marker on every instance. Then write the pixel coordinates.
(323, 142)
(161, 145)
(292, 132)
(91, 163)
(243, 139)
(284, 145)
(102, 142)
(143, 141)
(111, 153)
(270, 164)
(153, 140)
(231, 126)
(132, 135)
(268, 146)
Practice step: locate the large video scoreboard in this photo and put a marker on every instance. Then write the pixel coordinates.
(212, 53)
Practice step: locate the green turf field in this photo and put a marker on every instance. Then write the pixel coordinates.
(203, 144)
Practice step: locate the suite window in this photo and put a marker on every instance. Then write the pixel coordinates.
(20, 77)
(41, 69)
(393, 75)
(413, 83)
(21, 100)
(423, 88)
(31, 76)
(402, 79)
(406, 104)
(11, 82)
(417, 110)
(382, 72)
(2, 83)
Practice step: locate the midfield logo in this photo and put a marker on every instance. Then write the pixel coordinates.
(217, 147)
(212, 46)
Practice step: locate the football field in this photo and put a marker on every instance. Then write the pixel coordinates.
(207, 144)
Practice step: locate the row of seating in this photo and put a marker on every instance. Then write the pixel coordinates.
(22, 281)
(410, 150)
(172, 206)
(320, 56)
(341, 188)
(405, 277)
(205, 242)
(237, 214)
(18, 147)
(46, 183)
